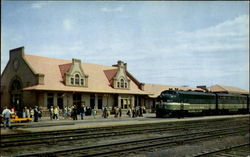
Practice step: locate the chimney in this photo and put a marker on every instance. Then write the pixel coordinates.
(40, 78)
(120, 64)
(142, 86)
(74, 60)
(17, 52)
(203, 87)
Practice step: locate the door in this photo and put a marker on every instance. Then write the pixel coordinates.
(77, 101)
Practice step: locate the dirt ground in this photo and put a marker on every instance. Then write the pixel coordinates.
(195, 148)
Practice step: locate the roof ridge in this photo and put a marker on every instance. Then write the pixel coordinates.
(221, 86)
(107, 66)
(167, 85)
(236, 88)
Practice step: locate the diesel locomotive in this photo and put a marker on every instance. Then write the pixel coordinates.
(172, 103)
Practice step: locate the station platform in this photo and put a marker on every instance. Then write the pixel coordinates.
(45, 124)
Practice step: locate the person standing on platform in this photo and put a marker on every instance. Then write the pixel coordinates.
(65, 112)
(105, 112)
(120, 112)
(36, 114)
(12, 110)
(51, 113)
(82, 112)
(40, 111)
(27, 112)
(116, 112)
(6, 117)
(69, 110)
(129, 113)
(93, 112)
(140, 112)
(55, 112)
(24, 113)
(74, 111)
(31, 112)
(133, 112)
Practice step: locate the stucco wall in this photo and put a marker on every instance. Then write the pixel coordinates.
(17, 68)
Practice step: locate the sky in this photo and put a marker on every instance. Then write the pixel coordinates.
(163, 42)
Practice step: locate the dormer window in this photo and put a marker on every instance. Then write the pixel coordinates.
(122, 83)
(120, 79)
(73, 74)
(77, 79)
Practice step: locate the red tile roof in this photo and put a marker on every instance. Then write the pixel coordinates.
(97, 81)
(110, 74)
(64, 68)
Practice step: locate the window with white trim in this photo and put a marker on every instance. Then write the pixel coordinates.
(122, 83)
(77, 79)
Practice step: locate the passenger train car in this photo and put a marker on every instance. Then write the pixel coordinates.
(182, 103)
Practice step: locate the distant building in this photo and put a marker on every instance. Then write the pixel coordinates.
(226, 89)
(29, 80)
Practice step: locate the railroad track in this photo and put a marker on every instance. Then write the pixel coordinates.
(86, 130)
(242, 150)
(141, 144)
(87, 137)
(83, 135)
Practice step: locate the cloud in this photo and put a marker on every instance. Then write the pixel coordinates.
(38, 5)
(227, 36)
(67, 24)
(213, 55)
(117, 9)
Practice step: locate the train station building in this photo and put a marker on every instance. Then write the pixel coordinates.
(29, 80)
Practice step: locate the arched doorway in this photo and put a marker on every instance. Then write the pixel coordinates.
(16, 95)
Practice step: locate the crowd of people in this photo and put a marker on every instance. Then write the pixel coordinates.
(70, 112)
(35, 113)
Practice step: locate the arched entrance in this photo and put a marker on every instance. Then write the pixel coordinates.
(16, 95)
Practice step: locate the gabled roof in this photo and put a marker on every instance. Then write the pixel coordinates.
(97, 81)
(155, 90)
(110, 74)
(133, 78)
(64, 68)
(227, 89)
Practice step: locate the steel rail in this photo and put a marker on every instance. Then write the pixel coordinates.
(160, 144)
(54, 139)
(58, 132)
(221, 150)
(181, 136)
